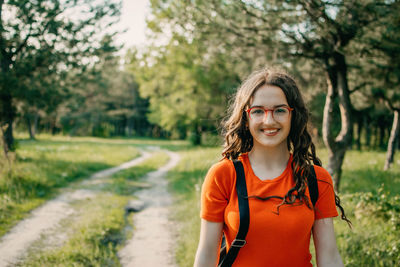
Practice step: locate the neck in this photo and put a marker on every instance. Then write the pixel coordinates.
(270, 157)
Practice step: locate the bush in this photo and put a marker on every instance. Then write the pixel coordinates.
(375, 239)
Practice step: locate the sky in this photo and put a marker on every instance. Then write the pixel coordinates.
(133, 15)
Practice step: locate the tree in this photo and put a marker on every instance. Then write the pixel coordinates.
(104, 100)
(382, 49)
(320, 31)
(187, 90)
(29, 30)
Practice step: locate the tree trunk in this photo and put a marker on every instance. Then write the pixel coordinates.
(29, 126)
(7, 119)
(32, 125)
(337, 87)
(195, 136)
(335, 165)
(368, 132)
(375, 137)
(129, 126)
(392, 141)
(360, 125)
(7, 113)
(35, 124)
(359, 131)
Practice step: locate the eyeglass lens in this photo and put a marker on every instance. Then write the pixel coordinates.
(279, 114)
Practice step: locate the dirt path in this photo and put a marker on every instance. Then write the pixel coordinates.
(153, 241)
(16, 242)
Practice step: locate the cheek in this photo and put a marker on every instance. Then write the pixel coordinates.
(252, 126)
(252, 129)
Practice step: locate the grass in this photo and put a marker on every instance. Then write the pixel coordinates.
(185, 181)
(41, 167)
(95, 237)
(363, 172)
(127, 182)
(99, 230)
(371, 198)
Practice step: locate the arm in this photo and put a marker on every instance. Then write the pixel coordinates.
(210, 237)
(325, 244)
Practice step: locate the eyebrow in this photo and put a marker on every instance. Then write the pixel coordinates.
(276, 106)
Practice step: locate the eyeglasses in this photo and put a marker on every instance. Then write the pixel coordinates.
(279, 114)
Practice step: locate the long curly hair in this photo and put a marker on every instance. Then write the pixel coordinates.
(238, 139)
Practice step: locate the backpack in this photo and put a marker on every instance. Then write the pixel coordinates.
(226, 258)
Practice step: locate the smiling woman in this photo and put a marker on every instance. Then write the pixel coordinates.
(266, 134)
(264, 125)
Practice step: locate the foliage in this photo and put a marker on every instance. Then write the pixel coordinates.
(187, 89)
(105, 101)
(374, 240)
(40, 41)
(294, 34)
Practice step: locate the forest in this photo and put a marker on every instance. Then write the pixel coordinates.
(68, 97)
(61, 74)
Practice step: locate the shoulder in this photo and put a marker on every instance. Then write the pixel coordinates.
(325, 206)
(222, 172)
(322, 175)
(223, 167)
(325, 182)
(220, 177)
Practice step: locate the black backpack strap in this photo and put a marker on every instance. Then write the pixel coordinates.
(244, 213)
(313, 186)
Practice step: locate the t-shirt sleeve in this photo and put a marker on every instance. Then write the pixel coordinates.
(325, 206)
(216, 191)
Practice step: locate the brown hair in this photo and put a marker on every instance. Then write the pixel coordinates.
(238, 139)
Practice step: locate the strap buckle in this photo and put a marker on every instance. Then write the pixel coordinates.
(238, 243)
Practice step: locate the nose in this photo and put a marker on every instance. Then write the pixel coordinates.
(268, 118)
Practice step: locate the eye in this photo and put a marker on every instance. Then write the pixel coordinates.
(280, 110)
(257, 111)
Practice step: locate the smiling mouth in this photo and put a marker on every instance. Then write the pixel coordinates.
(270, 131)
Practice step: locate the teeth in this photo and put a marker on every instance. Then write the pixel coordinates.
(270, 131)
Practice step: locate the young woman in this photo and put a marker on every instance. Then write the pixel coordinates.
(267, 132)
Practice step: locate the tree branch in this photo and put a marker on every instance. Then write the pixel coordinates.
(358, 87)
(389, 103)
(41, 33)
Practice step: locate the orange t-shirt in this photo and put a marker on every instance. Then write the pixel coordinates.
(272, 239)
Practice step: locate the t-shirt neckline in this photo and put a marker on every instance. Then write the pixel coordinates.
(246, 159)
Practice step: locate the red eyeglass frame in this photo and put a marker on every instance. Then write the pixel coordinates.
(268, 109)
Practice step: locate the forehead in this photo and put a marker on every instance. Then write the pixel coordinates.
(268, 96)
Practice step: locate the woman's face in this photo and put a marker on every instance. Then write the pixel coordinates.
(269, 129)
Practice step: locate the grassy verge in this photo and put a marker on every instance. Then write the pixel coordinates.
(97, 233)
(185, 181)
(94, 239)
(126, 182)
(40, 167)
(371, 198)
